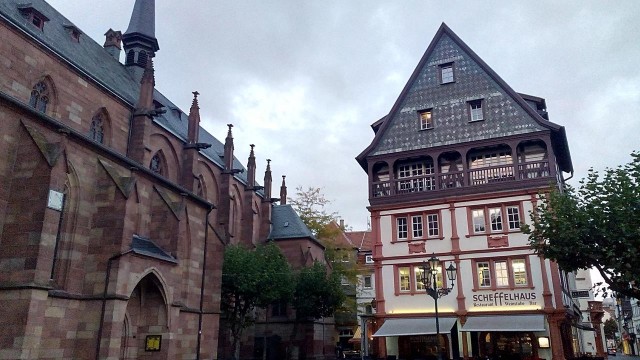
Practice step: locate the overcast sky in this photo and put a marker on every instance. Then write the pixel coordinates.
(303, 80)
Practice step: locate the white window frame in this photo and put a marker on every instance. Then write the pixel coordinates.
(426, 120)
(447, 73)
(402, 227)
(417, 227)
(368, 259)
(476, 110)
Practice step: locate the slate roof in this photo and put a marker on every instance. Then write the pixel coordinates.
(286, 224)
(506, 112)
(91, 59)
(141, 23)
(146, 247)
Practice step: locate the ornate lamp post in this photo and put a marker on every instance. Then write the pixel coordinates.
(430, 282)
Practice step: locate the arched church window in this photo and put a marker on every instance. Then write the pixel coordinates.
(142, 58)
(130, 57)
(40, 97)
(156, 164)
(96, 132)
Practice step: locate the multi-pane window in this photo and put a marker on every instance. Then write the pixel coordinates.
(415, 177)
(519, 271)
(156, 164)
(401, 223)
(419, 275)
(495, 216)
(416, 225)
(433, 225)
(475, 110)
(446, 73)
(478, 220)
(368, 259)
(367, 282)
(96, 131)
(405, 278)
(426, 121)
(502, 274)
(40, 97)
(492, 218)
(418, 229)
(513, 216)
(484, 274)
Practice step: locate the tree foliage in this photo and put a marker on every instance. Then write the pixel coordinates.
(610, 328)
(310, 205)
(250, 279)
(318, 292)
(596, 226)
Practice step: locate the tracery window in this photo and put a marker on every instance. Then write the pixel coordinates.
(156, 164)
(40, 97)
(96, 131)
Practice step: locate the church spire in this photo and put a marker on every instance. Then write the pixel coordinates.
(139, 40)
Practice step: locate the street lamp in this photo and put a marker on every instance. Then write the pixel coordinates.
(430, 282)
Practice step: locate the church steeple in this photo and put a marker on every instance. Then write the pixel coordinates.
(139, 40)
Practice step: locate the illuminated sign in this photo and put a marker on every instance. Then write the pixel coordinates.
(505, 299)
(152, 343)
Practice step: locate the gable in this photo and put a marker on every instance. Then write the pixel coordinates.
(505, 112)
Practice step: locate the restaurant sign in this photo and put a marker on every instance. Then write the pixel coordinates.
(503, 298)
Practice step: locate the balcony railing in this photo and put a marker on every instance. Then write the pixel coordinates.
(461, 179)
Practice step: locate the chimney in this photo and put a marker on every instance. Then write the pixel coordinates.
(342, 224)
(283, 192)
(113, 43)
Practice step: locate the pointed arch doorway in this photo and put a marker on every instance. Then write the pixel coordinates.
(145, 325)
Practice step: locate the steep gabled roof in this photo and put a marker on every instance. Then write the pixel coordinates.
(286, 224)
(362, 239)
(93, 61)
(509, 113)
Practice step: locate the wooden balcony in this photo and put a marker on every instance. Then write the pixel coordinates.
(494, 176)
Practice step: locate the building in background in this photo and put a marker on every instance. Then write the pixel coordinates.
(454, 169)
(589, 332)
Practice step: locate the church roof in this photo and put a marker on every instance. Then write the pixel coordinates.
(286, 224)
(93, 61)
(143, 18)
(508, 113)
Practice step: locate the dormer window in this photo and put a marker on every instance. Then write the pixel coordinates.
(426, 121)
(74, 32)
(446, 73)
(33, 16)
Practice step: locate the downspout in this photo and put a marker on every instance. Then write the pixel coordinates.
(104, 298)
(204, 267)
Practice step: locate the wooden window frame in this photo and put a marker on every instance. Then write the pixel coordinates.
(483, 107)
(453, 72)
(487, 222)
(425, 226)
(413, 280)
(426, 125)
(510, 274)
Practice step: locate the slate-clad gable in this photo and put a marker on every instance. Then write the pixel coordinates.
(504, 115)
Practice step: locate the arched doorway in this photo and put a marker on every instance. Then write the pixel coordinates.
(145, 324)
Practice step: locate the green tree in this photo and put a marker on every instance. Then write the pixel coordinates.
(610, 329)
(318, 292)
(596, 226)
(252, 279)
(310, 204)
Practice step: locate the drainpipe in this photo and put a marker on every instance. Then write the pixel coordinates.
(104, 298)
(204, 266)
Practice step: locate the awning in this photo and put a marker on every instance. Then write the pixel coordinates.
(505, 323)
(413, 326)
(356, 336)
(583, 326)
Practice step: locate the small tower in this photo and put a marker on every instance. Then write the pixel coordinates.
(113, 43)
(283, 191)
(265, 225)
(140, 43)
